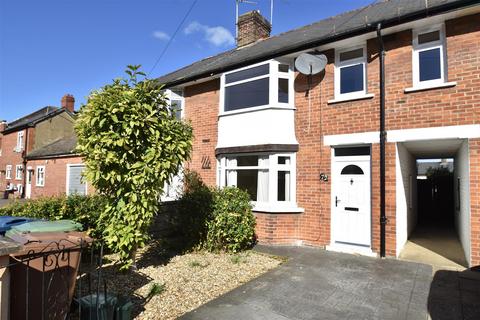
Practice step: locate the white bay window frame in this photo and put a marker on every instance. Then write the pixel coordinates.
(348, 63)
(273, 75)
(418, 48)
(226, 164)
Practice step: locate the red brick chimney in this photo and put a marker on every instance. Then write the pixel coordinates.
(68, 102)
(252, 26)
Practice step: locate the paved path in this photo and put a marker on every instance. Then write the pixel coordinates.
(317, 284)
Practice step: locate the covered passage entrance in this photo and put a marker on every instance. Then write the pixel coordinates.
(432, 196)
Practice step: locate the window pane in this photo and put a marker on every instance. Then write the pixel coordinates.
(245, 161)
(283, 160)
(283, 90)
(429, 61)
(348, 55)
(283, 67)
(428, 37)
(351, 78)
(352, 151)
(248, 73)
(176, 106)
(352, 169)
(283, 192)
(246, 95)
(247, 180)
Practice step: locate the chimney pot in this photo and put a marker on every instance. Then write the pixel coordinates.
(3, 125)
(68, 102)
(252, 26)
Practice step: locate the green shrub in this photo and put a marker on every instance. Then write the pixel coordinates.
(194, 209)
(82, 209)
(232, 227)
(214, 219)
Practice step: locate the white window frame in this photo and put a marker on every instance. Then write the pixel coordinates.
(68, 177)
(342, 64)
(8, 171)
(273, 75)
(20, 141)
(273, 168)
(417, 48)
(38, 182)
(18, 172)
(177, 95)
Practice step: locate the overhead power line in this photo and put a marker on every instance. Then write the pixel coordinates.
(173, 36)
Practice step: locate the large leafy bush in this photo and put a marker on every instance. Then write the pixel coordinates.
(131, 143)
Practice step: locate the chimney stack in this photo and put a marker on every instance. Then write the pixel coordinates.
(252, 26)
(68, 102)
(3, 125)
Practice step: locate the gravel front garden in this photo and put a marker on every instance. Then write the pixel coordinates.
(165, 286)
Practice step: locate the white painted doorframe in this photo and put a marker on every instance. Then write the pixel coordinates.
(343, 221)
(28, 183)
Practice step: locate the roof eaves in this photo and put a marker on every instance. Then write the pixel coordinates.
(368, 27)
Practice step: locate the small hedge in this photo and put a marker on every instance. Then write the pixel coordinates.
(82, 209)
(214, 219)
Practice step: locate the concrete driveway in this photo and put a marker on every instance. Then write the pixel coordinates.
(317, 284)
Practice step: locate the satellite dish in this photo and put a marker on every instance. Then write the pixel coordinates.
(310, 64)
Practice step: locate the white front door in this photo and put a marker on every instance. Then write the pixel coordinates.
(28, 184)
(351, 216)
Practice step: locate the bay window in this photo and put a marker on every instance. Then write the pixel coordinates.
(267, 84)
(269, 179)
(429, 58)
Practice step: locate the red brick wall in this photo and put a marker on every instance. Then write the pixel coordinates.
(458, 105)
(55, 176)
(10, 157)
(201, 109)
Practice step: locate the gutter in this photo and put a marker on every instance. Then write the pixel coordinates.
(370, 27)
(383, 138)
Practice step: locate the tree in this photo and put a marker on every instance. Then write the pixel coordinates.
(131, 144)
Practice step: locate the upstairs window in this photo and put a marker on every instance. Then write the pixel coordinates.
(263, 85)
(429, 57)
(19, 146)
(350, 73)
(176, 103)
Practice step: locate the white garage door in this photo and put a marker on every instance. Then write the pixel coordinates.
(75, 183)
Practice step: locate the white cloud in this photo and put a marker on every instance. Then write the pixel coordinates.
(160, 35)
(217, 36)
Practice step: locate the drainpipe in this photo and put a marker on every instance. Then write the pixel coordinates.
(24, 156)
(383, 136)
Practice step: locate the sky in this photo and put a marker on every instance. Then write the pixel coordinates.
(52, 47)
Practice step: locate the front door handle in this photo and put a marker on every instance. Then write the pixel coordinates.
(336, 201)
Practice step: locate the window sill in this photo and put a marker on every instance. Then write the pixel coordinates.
(431, 87)
(253, 109)
(277, 209)
(340, 100)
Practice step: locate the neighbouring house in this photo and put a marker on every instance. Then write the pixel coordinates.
(307, 149)
(37, 153)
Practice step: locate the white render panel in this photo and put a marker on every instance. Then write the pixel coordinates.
(352, 138)
(256, 127)
(462, 205)
(406, 195)
(448, 132)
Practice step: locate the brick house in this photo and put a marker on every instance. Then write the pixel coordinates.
(308, 148)
(37, 156)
